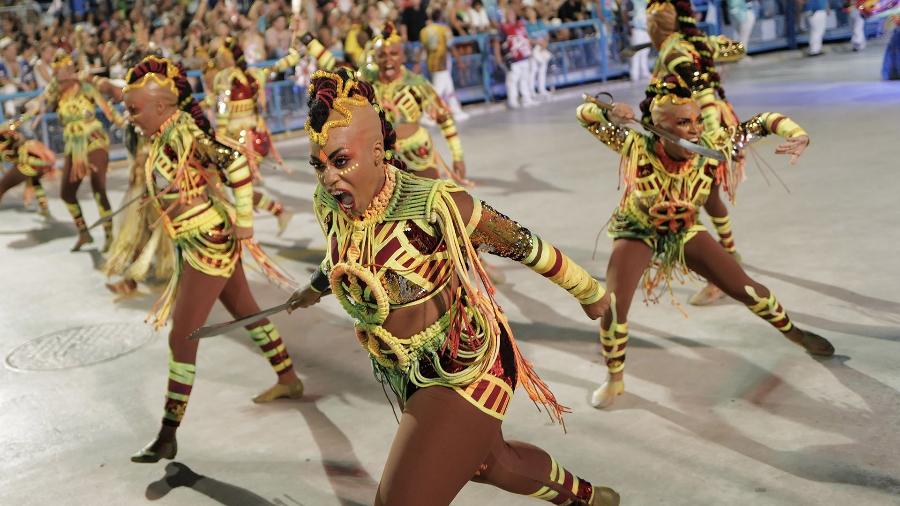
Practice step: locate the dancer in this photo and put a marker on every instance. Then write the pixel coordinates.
(183, 166)
(655, 232)
(401, 261)
(31, 160)
(688, 54)
(238, 95)
(405, 97)
(86, 143)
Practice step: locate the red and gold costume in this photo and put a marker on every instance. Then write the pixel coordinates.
(406, 269)
(183, 177)
(412, 247)
(239, 98)
(184, 165)
(656, 232)
(663, 196)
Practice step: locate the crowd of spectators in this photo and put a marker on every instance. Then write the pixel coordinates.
(103, 29)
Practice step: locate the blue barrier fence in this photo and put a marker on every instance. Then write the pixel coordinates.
(592, 56)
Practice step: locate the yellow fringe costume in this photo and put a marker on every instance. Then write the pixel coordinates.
(413, 244)
(406, 100)
(183, 168)
(82, 131)
(662, 197)
(139, 245)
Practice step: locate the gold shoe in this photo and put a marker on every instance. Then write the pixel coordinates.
(814, 344)
(706, 296)
(155, 451)
(83, 238)
(278, 391)
(605, 396)
(123, 287)
(604, 496)
(283, 220)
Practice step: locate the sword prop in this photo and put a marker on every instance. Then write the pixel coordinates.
(686, 144)
(630, 51)
(110, 216)
(222, 328)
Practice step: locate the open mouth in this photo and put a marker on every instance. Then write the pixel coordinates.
(344, 199)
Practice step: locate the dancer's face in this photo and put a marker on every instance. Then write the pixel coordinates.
(351, 163)
(390, 58)
(149, 107)
(683, 120)
(661, 22)
(64, 73)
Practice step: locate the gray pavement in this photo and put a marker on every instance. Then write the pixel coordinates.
(720, 409)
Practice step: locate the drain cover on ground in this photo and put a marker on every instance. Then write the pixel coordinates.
(79, 346)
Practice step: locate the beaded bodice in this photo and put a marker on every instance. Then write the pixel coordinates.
(404, 250)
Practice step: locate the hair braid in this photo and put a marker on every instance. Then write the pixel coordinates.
(186, 100)
(323, 90)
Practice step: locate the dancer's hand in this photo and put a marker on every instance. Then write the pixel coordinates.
(303, 298)
(459, 174)
(242, 233)
(795, 146)
(621, 113)
(597, 309)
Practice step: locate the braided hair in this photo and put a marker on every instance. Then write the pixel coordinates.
(687, 26)
(237, 53)
(325, 88)
(670, 85)
(186, 101)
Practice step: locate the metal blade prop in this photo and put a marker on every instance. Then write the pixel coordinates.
(686, 144)
(110, 216)
(221, 328)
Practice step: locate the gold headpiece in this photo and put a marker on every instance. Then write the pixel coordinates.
(60, 60)
(664, 92)
(393, 38)
(164, 80)
(342, 104)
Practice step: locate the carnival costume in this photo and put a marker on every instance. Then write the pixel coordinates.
(181, 174)
(30, 159)
(659, 208)
(83, 135)
(139, 247)
(238, 96)
(405, 100)
(412, 246)
(690, 55)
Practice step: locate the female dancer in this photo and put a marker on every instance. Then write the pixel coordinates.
(86, 142)
(401, 260)
(405, 97)
(183, 167)
(689, 55)
(31, 160)
(239, 96)
(655, 232)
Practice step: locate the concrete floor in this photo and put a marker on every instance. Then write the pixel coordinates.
(720, 410)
